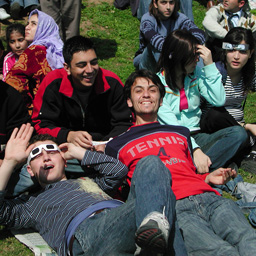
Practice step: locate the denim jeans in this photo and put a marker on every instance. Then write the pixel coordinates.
(143, 8)
(186, 8)
(213, 225)
(24, 3)
(223, 145)
(148, 59)
(112, 231)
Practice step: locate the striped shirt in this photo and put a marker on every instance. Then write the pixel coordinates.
(51, 210)
(235, 98)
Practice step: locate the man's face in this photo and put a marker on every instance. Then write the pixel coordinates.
(83, 69)
(48, 167)
(233, 5)
(165, 8)
(145, 97)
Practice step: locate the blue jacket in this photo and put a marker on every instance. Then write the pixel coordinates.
(206, 83)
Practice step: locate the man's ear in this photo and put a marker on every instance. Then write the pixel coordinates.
(129, 103)
(67, 68)
(30, 171)
(155, 4)
(63, 157)
(161, 101)
(241, 4)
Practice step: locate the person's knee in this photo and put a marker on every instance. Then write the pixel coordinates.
(240, 134)
(151, 165)
(149, 160)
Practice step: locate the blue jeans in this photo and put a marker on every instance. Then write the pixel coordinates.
(223, 145)
(143, 8)
(24, 3)
(112, 231)
(213, 225)
(148, 59)
(186, 8)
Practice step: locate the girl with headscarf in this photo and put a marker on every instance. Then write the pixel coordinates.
(43, 55)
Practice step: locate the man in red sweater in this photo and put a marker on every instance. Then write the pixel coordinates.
(210, 224)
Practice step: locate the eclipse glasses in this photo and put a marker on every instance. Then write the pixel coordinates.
(38, 150)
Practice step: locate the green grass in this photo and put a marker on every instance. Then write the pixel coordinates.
(115, 34)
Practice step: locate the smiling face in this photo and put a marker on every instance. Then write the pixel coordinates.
(235, 60)
(31, 28)
(83, 68)
(47, 167)
(233, 5)
(17, 43)
(145, 100)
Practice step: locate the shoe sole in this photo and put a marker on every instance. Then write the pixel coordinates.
(149, 236)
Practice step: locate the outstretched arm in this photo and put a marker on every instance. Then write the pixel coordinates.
(16, 152)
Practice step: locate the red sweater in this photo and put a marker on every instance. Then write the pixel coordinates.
(173, 146)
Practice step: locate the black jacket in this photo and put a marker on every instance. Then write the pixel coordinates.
(57, 109)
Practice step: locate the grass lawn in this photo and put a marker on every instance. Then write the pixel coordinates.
(115, 34)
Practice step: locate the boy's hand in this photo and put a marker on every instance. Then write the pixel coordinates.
(70, 151)
(16, 150)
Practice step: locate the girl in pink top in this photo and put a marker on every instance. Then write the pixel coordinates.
(15, 36)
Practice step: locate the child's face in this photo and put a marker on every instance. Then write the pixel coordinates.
(233, 5)
(17, 43)
(165, 8)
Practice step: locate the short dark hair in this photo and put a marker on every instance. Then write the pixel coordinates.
(76, 44)
(143, 73)
(42, 137)
(154, 12)
(179, 49)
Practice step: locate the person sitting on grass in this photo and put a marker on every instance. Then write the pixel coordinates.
(221, 18)
(16, 45)
(163, 18)
(43, 54)
(78, 216)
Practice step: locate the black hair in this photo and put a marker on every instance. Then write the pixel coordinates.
(179, 49)
(76, 44)
(154, 11)
(235, 36)
(42, 137)
(1, 45)
(20, 28)
(148, 75)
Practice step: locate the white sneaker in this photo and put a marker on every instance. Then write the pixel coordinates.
(3, 14)
(152, 233)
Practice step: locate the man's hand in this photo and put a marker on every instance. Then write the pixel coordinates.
(202, 161)
(70, 151)
(220, 176)
(100, 148)
(80, 138)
